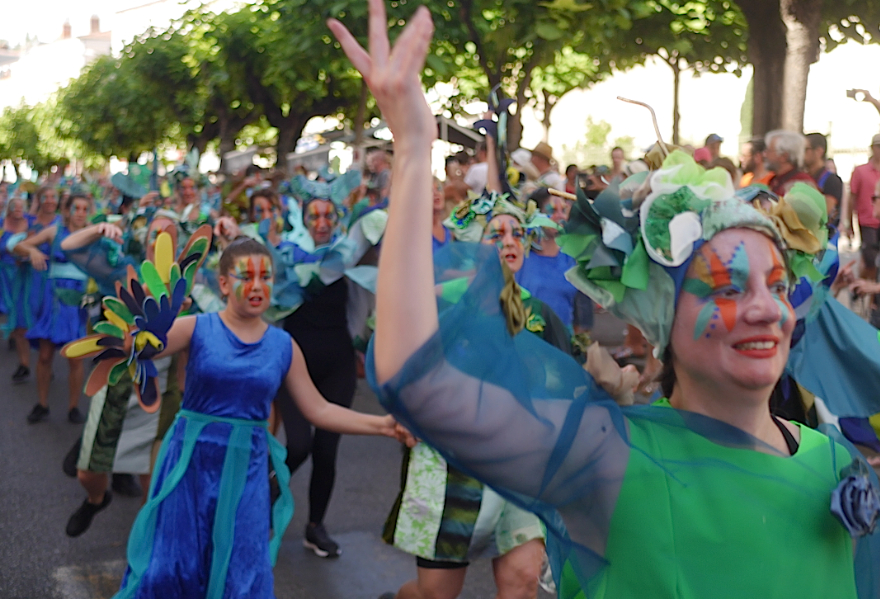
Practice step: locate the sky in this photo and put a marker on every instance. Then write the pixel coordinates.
(45, 18)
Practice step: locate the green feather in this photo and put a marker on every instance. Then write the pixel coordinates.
(108, 328)
(190, 276)
(119, 309)
(116, 373)
(199, 246)
(174, 275)
(150, 277)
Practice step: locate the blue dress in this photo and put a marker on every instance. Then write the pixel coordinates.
(205, 530)
(61, 319)
(41, 291)
(15, 284)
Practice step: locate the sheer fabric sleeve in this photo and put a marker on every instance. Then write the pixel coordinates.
(516, 413)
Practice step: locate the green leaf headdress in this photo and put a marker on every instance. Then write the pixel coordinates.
(632, 253)
(470, 217)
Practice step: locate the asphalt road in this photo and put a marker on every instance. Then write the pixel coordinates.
(39, 561)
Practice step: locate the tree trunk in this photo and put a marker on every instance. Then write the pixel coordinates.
(801, 18)
(360, 118)
(289, 132)
(766, 50)
(676, 84)
(549, 104)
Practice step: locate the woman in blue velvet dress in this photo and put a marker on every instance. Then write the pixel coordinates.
(15, 283)
(61, 318)
(46, 216)
(205, 530)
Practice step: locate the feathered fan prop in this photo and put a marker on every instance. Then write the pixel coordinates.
(139, 318)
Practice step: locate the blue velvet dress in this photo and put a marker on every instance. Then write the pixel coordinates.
(15, 285)
(41, 292)
(205, 531)
(60, 319)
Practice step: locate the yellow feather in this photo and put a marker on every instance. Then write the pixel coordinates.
(144, 337)
(113, 318)
(84, 347)
(164, 256)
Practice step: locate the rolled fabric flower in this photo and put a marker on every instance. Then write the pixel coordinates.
(855, 503)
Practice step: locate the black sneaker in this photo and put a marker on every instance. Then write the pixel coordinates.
(74, 416)
(320, 542)
(82, 518)
(37, 414)
(21, 375)
(126, 485)
(69, 463)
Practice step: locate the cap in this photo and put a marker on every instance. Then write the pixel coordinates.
(714, 137)
(875, 141)
(544, 150)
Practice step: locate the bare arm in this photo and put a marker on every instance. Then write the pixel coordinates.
(406, 312)
(28, 248)
(326, 415)
(179, 336)
(89, 235)
(493, 182)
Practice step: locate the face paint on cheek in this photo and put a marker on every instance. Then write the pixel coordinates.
(777, 276)
(245, 273)
(266, 275)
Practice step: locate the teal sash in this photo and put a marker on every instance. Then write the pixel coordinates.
(232, 482)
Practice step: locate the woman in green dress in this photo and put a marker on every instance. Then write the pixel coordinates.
(704, 495)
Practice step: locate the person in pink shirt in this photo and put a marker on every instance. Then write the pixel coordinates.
(861, 188)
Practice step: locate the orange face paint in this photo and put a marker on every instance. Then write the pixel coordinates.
(248, 272)
(713, 280)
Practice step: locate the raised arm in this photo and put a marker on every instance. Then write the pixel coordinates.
(406, 311)
(89, 235)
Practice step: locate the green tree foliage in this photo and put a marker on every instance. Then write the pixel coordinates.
(27, 138)
(536, 51)
(109, 109)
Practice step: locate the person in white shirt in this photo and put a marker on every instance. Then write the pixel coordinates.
(478, 171)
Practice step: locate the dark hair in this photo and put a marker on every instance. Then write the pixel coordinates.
(817, 140)
(252, 169)
(269, 195)
(571, 166)
(480, 147)
(758, 145)
(725, 163)
(68, 202)
(239, 248)
(541, 197)
(615, 148)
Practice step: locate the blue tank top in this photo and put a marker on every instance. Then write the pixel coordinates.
(544, 277)
(232, 379)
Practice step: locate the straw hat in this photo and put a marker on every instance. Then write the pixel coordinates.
(543, 150)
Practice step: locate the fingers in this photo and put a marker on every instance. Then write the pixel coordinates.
(378, 34)
(356, 54)
(411, 47)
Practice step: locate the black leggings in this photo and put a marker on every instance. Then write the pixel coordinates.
(330, 359)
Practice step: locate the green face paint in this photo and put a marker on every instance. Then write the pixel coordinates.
(497, 230)
(717, 283)
(248, 272)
